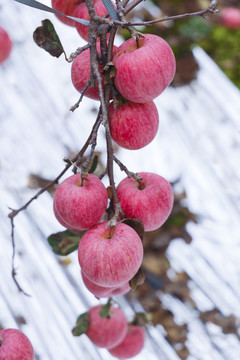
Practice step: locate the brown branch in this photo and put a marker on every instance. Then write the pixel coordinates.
(130, 6)
(115, 201)
(93, 143)
(134, 34)
(104, 97)
(14, 272)
(124, 3)
(110, 43)
(203, 13)
(77, 52)
(75, 106)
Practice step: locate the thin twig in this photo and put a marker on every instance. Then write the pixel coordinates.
(87, 163)
(202, 13)
(124, 168)
(131, 6)
(14, 272)
(101, 176)
(15, 212)
(75, 106)
(75, 161)
(77, 52)
(124, 3)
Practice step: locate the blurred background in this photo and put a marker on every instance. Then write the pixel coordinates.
(192, 288)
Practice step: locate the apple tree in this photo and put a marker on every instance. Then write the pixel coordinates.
(106, 225)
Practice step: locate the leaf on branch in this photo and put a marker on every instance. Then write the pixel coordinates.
(135, 225)
(45, 37)
(82, 325)
(94, 164)
(64, 242)
(137, 280)
(68, 161)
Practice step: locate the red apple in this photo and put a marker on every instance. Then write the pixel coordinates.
(81, 12)
(105, 292)
(131, 345)
(109, 331)
(78, 204)
(230, 17)
(132, 125)
(14, 345)
(80, 72)
(66, 7)
(110, 257)
(144, 71)
(150, 201)
(5, 45)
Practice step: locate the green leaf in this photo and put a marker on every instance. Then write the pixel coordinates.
(45, 36)
(82, 325)
(94, 164)
(64, 242)
(68, 161)
(137, 280)
(105, 309)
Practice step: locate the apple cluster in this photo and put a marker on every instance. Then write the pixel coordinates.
(110, 256)
(143, 71)
(110, 253)
(107, 327)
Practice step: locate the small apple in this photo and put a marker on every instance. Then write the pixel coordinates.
(66, 7)
(79, 204)
(5, 45)
(145, 69)
(81, 12)
(110, 256)
(149, 201)
(131, 345)
(108, 331)
(14, 345)
(80, 73)
(133, 125)
(230, 17)
(105, 292)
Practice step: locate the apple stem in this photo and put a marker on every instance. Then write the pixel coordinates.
(141, 185)
(1, 340)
